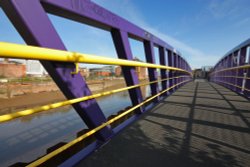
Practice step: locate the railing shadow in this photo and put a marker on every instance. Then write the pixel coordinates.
(179, 132)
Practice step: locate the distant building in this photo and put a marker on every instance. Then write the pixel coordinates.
(118, 71)
(111, 69)
(197, 73)
(99, 72)
(34, 67)
(202, 72)
(207, 68)
(84, 72)
(12, 69)
(141, 72)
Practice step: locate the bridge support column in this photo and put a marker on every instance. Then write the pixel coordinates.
(247, 84)
(175, 72)
(170, 73)
(123, 50)
(240, 72)
(149, 51)
(163, 71)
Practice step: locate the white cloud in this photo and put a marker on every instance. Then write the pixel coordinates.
(127, 10)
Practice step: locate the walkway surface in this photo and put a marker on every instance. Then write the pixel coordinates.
(201, 124)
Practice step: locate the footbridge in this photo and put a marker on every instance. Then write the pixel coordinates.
(184, 121)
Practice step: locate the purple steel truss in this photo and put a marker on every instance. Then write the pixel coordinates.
(33, 24)
(235, 57)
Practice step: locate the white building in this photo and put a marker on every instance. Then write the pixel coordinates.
(34, 67)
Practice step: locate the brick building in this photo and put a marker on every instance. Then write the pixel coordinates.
(12, 70)
(141, 72)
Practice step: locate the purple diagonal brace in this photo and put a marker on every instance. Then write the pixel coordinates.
(123, 50)
(170, 73)
(33, 24)
(163, 71)
(149, 51)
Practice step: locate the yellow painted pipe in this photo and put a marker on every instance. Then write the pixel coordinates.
(234, 85)
(231, 68)
(233, 77)
(70, 144)
(9, 50)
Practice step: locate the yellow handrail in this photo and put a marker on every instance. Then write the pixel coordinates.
(8, 117)
(234, 85)
(68, 145)
(9, 50)
(233, 77)
(231, 68)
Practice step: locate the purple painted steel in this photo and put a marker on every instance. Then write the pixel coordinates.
(235, 57)
(123, 50)
(36, 29)
(170, 73)
(90, 13)
(175, 73)
(32, 22)
(149, 51)
(163, 71)
(242, 57)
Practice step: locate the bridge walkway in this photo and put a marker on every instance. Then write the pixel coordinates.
(201, 124)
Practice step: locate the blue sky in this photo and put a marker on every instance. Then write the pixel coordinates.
(202, 30)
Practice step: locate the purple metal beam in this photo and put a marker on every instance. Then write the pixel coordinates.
(34, 26)
(123, 50)
(90, 13)
(149, 51)
(170, 73)
(163, 71)
(174, 72)
(240, 72)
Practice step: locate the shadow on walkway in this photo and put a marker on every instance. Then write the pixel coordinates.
(202, 124)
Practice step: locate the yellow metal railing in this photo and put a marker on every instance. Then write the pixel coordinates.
(93, 131)
(238, 77)
(8, 50)
(231, 68)
(237, 86)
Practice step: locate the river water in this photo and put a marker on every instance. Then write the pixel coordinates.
(24, 139)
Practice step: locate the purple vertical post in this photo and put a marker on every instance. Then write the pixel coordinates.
(163, 71)
(229, 64)
(247, 84)
(34, 26)
(170, 72)
(123, 50)
(235, 72)
(227, 73)
(182, 67)
(242, 60)
(175, 72)
(149, 51)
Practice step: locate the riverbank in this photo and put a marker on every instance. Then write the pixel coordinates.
(28, 96)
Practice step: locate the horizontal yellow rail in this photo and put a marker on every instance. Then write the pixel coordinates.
(8, 117)
(233, 77)
(231, 68)
(234, 85)
(9, 50)
(70, 144)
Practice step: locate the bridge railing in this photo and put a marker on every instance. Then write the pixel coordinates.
(16, 51)
(32, 22)
(233, 69)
